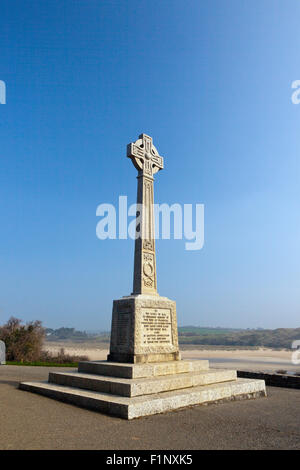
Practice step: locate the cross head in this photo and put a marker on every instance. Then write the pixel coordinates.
(144, 156)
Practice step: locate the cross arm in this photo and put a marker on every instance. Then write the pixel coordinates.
(136, 154)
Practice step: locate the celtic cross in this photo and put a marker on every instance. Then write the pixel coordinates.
(147, 161)
(144, 156)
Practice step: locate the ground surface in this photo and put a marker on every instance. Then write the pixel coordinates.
(30, 421)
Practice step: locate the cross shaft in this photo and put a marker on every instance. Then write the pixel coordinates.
(147, 161)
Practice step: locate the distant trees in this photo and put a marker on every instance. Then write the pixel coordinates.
(65, 334)
(23, 342)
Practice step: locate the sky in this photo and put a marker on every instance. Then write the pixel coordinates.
(211, 82)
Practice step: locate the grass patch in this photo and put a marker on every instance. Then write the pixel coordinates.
(49, 360)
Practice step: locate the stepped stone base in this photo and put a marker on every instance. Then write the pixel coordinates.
(134, 371)
(133, 390)
(143, 358)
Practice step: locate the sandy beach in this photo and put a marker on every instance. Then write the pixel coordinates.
(262, 359)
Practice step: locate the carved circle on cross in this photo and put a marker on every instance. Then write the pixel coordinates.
(148, 269)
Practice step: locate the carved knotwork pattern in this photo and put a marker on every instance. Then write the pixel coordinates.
(148, 245)
(148, 168)
(148, 282)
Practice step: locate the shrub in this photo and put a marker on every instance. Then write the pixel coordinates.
(61, 357)
(23, 342)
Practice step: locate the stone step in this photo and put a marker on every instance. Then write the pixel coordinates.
(133, 371)
(135, 407)
(140, 386)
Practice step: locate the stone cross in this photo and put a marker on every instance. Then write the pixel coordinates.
(2, 352)
(147, 161)
(144, 324)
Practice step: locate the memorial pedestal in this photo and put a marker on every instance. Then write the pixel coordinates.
(144, 329)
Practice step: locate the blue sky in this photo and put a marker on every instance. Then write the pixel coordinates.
(211, 82)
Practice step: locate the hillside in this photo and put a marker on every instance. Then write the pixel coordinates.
(278, 338)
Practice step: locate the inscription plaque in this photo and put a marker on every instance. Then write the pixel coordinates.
(156, 326)
(123, 328)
